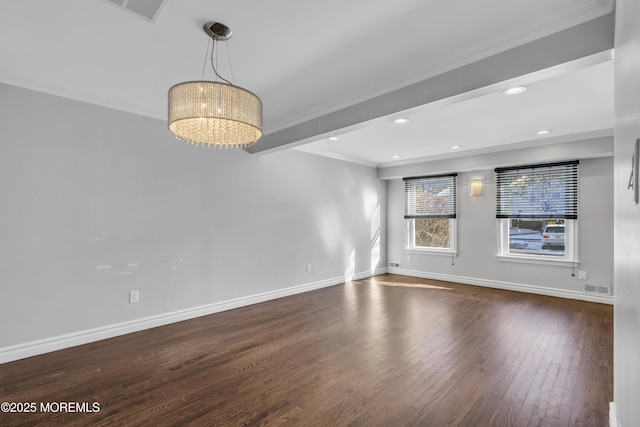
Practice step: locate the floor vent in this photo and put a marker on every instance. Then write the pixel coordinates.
(394, 264)
(595, 289)
(147, 9)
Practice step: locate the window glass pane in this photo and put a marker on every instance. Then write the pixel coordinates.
(537, 236)
(432, 232)
(433, 198)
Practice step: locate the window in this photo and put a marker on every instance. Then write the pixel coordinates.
(430, 208)
(537, 211)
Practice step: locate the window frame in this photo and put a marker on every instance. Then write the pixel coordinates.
(412, 247)
(411, 214)
(570, 257)
(570, 216)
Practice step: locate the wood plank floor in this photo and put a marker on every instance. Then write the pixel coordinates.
(385, 351)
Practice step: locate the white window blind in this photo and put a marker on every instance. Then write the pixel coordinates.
(430, 196)
(538, 191)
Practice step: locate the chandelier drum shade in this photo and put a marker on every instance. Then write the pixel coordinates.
(215, 113)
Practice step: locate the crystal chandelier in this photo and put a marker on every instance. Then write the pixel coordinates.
(215, 113)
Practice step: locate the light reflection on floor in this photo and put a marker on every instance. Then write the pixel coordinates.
(391, 337)
(407, 285)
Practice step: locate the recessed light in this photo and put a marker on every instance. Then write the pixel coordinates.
(395, 157)
(544, 132)
(401, 121)
(456, 147)
(333, 138)
(515, 90)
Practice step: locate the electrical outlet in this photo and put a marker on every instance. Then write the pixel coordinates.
(582, 275)
(134, 297)
(409, 258)
(308, 268)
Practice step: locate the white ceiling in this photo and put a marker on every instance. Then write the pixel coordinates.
(576, 104)
(305, 59)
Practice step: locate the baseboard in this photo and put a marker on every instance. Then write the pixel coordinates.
(532, 289)
(613, 417)
(34, 348)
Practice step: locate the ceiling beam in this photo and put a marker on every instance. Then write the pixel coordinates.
(584, 40)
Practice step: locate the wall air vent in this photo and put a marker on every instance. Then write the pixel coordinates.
(596, 289)
(146, 9)
(394, 264)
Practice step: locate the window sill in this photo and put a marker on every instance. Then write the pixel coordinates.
(538, 260)
(434, 251)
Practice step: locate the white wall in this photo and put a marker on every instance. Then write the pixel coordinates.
(97, 202)
(476, 262)
(627, 217)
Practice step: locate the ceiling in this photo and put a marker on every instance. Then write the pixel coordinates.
(570, 105)
(306, 59)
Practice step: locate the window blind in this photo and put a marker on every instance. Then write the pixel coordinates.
(430, 196)
(538, 191)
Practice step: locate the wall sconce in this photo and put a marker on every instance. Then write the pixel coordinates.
(476, 189)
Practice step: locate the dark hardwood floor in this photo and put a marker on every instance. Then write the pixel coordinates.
(385, 351)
